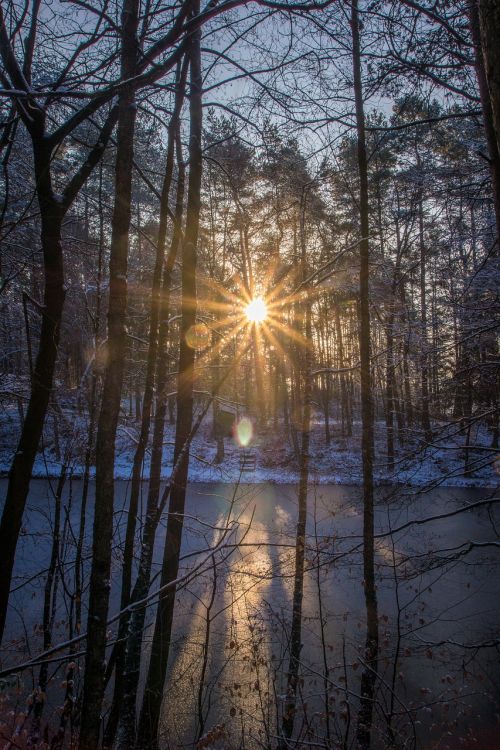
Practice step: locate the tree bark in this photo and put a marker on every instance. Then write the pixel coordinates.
(153, 693)
(147, 403)
(288, 718)
(304, 320)
(51, 215)
(481, 40)
(135, 623)
(369, 675)
(489, 16)
(424, 354)
(93, 688)
(52, 211)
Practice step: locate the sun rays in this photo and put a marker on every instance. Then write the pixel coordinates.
(269, 316)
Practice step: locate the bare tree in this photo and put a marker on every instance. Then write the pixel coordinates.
(147, 733)
(369, 675)
(100, 583)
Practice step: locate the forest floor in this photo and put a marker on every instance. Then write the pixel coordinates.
(440, 463)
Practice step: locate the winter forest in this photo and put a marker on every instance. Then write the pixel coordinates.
(250, 369)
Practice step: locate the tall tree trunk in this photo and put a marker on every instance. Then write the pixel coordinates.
(407, 399)
(135, 623)
(390, 387)
(304, 320)
(424, 354)
(391, 392)
(260, 394)
(288, 719)
(156, 298)
(51, 215)
(369, 675)
(489, 17)
(93, 688)
(52, 210)
(484, 56)
(153, 693)
(93, 409)
(344, 396)
(75, 611)
(218, 430)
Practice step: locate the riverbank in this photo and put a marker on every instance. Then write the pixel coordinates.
(438, 464)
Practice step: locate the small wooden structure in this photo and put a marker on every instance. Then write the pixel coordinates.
(247, 460)
(225, 421)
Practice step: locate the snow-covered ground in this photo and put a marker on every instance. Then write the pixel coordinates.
(442, 463)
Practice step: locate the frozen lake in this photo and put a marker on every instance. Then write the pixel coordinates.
(439, 607)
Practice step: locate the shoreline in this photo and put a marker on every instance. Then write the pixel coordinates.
(214, 475)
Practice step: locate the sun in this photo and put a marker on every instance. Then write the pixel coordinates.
(256, 310)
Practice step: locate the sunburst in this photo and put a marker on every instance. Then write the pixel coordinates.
(244, 317)
(256, 310)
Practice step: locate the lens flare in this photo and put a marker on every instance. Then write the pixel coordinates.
(244, 432)
(198, 336)
(256, 310)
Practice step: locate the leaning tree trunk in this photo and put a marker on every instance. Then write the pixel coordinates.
(93, 688)
(51, 215)
(369, 675)
(53, 208)
(153, 693)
